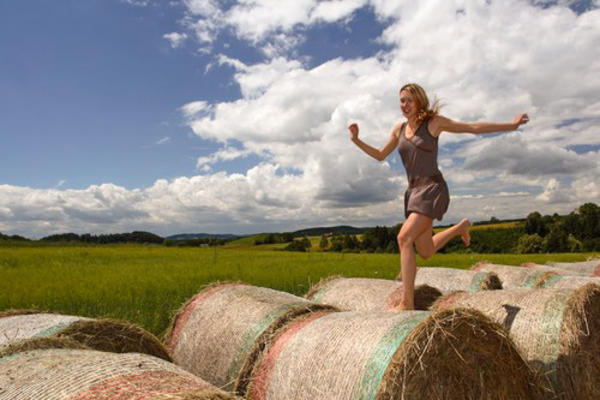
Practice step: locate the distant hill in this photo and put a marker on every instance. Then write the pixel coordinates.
(332, 229)
(188, 236)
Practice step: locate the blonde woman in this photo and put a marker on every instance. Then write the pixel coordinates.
(427, 197)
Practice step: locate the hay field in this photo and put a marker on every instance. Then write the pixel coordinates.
(146, 284)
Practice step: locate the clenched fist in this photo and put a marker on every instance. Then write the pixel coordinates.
(353, 128)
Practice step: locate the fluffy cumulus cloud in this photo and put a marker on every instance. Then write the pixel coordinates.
(478, 56)
(176, 39)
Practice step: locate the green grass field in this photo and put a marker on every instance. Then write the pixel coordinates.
(147, 284)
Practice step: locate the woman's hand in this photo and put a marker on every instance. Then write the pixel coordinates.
(520, 120)
(353, 128)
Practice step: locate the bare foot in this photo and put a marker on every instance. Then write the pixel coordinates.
(400, 307)
(465, 224)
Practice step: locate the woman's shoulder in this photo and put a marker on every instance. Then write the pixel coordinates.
(434, 124)
(398, 128)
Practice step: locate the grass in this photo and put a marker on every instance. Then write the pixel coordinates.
(147, 284)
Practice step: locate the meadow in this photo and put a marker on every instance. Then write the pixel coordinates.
(146, 284)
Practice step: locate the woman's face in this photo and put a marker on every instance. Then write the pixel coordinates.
(408, 105)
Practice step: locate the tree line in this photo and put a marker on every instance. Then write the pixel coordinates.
(577, 232)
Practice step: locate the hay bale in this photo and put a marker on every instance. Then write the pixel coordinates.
(220, 332)
(100, 334)
(557, 330)
(550, 268)
(569, 282)
(589, 268)
(58, 374)
(514, 277)
(459, 354)
(452, 279)
(364, 294)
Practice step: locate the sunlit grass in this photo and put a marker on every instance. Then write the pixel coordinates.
(146, 284)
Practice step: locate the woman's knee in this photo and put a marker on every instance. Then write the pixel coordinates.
(405, 239)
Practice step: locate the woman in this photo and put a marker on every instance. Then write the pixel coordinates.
(427, 195)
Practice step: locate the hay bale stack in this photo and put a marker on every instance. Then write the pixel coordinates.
(590, 267)
(456, 354)
(220, 332)
(514, 277)
(550, 268)
(58, 374)
(569, 282)
(558, 331)
(365, 294)
(100, 334)
(452, 279)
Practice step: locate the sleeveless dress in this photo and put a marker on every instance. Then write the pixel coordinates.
(427, 191)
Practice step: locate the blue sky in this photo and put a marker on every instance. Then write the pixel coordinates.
(91, 89)
(214, 116)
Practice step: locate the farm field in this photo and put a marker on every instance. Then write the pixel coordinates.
(147, 284)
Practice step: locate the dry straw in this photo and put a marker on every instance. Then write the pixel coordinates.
(452, 279)
(550, 268)
(515, 277)
(590, 267)
(364, 294)
(220, 332)
(569, 282)
(100, 334)
(76, 374)
(455, 354)
(558, 331)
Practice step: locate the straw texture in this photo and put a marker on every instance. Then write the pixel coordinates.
(551, 268)
(569, 282)
(456, 354)
(514, 277)
(99, 334)
(590, 267)
(219, 333)
(364, 294)
(452, 279)
(558, 331)
(67, 374)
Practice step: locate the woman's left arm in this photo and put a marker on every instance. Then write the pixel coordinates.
(445, 124)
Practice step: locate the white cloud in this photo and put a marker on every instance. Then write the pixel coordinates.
(477, 56)
(176, 39)
(163, 140)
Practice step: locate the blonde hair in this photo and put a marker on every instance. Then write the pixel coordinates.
(422, 101)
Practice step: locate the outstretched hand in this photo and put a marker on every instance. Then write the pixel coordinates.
(521, 119)
(353, 128)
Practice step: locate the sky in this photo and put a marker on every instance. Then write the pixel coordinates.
(230, 116)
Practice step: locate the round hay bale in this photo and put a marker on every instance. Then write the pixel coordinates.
(514, 277)
(58, 374)
(41, 344)
(569, 282)
(100, 334)
(589, 268)
(452, 279)
(381, 355)
(365, 294)
(550, 268)
(557, 330)
(219, 333)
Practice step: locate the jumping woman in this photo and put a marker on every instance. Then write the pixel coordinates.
(427, 196)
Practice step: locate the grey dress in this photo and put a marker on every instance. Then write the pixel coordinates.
(427, 191)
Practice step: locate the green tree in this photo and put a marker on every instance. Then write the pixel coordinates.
(530, 244)
(323, 243)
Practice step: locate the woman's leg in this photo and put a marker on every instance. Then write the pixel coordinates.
(428, 245)
(414, 226)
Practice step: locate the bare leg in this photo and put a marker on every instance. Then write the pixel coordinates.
(429, 245)
(415, 225)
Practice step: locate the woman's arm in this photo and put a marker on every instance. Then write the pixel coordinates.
(441, 124)
(378, 154)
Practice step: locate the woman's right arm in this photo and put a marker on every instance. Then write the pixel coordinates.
(378, 154)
